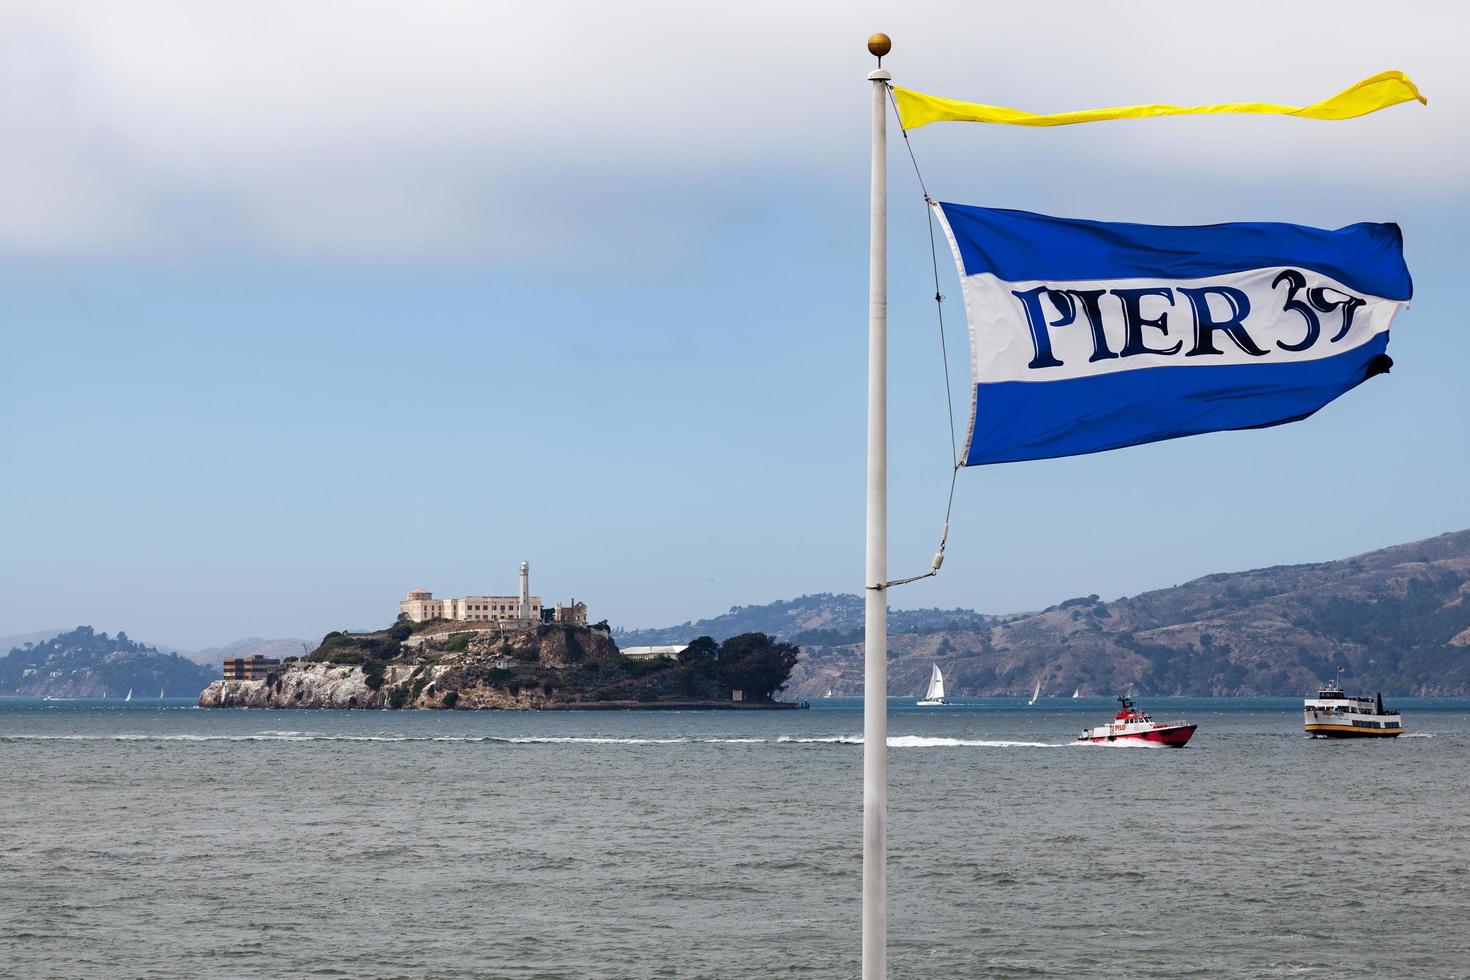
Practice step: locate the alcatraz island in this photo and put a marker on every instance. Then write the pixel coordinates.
(507, 652)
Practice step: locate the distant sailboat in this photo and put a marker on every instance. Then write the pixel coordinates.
(160, 694)
(1077, 693)
(829, 691)
(1035, 694)
(130, 695)
(935, 695)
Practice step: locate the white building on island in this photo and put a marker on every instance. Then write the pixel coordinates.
(511, 610)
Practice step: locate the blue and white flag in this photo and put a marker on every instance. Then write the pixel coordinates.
(1093, 335)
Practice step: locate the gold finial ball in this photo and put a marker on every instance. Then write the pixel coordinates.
(879, 45)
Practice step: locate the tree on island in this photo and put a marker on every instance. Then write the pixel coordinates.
(753, 663)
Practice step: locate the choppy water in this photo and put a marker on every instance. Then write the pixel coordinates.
(164, 841)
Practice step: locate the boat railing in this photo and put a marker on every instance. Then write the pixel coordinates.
(1332, 709)
(1153, 721)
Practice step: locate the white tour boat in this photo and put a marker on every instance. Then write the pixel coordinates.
(935, 695)
(1333, 714)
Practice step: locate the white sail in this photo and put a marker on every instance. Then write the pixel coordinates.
(1036, 693)
(130, 695)
(160, 694)
(936, 686)
(1077, 693)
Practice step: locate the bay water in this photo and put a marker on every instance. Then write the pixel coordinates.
(157, 839)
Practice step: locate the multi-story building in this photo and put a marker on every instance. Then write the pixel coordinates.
(512, 610)
(249, 668)
(574, 613)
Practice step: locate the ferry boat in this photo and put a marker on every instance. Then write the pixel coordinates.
(1133, 726)
(1333, 714)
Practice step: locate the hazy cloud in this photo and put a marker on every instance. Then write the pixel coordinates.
(473, 131)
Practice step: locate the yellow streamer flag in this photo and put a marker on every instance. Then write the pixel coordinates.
(1387, 88)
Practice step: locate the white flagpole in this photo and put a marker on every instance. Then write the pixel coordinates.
(875, 629)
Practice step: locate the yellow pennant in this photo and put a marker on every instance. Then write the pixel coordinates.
(1387, 88)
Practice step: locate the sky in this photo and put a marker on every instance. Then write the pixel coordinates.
(303, 305)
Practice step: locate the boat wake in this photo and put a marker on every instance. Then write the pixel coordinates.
(918, 742)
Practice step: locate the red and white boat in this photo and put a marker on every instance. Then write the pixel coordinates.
(1133, 726)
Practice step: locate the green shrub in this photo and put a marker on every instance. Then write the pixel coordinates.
(373, 674)
(642, 668)
(575, 652)
(450, 699)
(397, 696)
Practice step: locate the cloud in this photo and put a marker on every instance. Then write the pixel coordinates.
(446, 131)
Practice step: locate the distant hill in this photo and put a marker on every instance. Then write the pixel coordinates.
(1398, 619)
(10, 642)
(824, 618)
(83, 663)
(209, 656)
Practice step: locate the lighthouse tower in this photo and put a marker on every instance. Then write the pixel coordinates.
(525, 610)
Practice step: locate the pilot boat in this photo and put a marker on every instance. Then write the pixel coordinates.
(1333, 714)
(1133, 726)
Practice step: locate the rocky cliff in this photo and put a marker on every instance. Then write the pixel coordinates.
(315, 685)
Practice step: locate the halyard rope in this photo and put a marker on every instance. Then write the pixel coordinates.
(943, 350)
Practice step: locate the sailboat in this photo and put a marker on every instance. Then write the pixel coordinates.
(829, 691)
(1035, 694)
(935, 695)
(130, 695)
(160, 694)
(1077, 693)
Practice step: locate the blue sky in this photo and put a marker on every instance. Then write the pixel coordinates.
(307, 305)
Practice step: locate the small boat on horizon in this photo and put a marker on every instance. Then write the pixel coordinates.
(1035, 694)
(829, 691)
(934, 697)
(130, 695)
(1133, 726)
(1077, 693)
